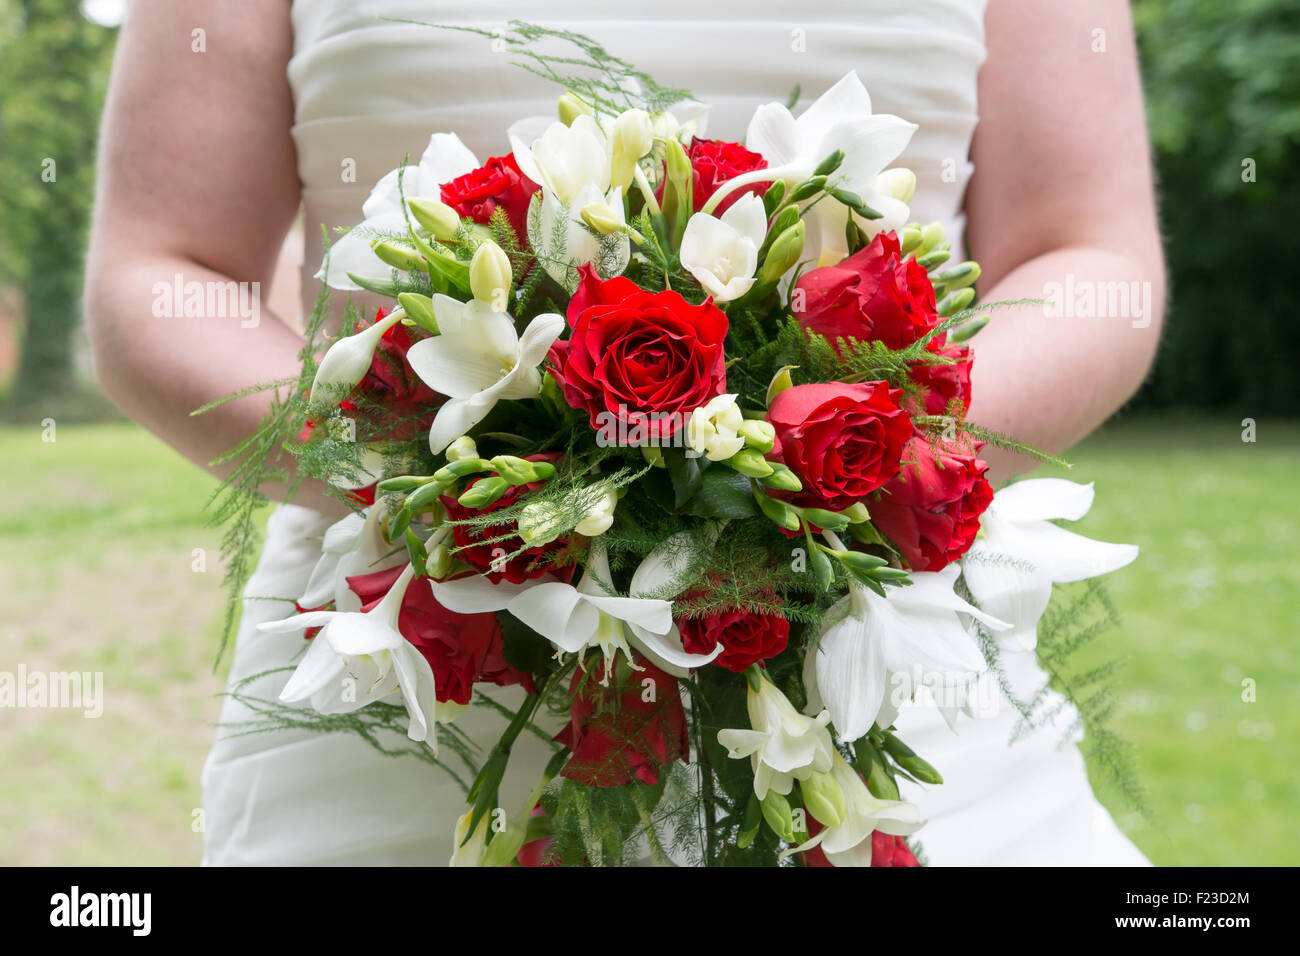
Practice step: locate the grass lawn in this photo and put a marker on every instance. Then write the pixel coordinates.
(109, 567)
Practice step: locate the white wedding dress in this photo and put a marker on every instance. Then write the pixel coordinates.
(368, 92)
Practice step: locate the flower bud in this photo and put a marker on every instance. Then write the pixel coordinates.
(631, 138)
(424, 496)
(827, 520)
(398, 256)
(517, 471)
(776, 811)
(931, 235)
(750, 463)
(967, 330)
(490, 276)
(830, 163)
(860, 560)
(484, 492)
(899, 183)
(602, 217)
(785, 252)
(959, 276)
(540, 523)
(460, 468)
(955, 301)
(825, 799)
(679, 191)
(571, 106)
(857, 513)
(599, 517)
(782, 478)
(347, 361)
(911, 238)
(758, 434)
(778, 511)
(400, 483)
(419, 308)
(436, 216)
(462, 448)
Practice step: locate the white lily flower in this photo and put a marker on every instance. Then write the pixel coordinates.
(849, 844)
(590, 615)
(358, 658)
(477, 360)
(867, 638)
(841, 118)
(1011, 568)
(722, 253)
(712, 429)
(348, 359)
(353, 545)
(782, 744)
(445, 158)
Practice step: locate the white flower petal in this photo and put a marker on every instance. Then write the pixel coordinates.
(1041, 499)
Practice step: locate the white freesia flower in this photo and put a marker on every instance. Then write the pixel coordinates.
(712, 428)
(353, 545)
(564, 160)
(590, 615)
(867, 638)
(445, 159)
(477, 360)
(841, 118)
(722, 253)
(782, 744)
(1011, 568)
(849, 844)
(358, 658)
(572, 164)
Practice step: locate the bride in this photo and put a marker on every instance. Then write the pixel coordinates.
(224, 121)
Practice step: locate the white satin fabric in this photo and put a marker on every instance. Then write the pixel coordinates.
(368, 92)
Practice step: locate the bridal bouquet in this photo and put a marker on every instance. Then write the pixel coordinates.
(669, 432)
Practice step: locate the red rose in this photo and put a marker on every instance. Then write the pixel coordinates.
(462, 649)
(498, 182)
(644, 359)
(886, 850)
(616, 734)
(747, 637)
(874, 294)
(483, 554)
(943, 383)
(713, 162)
(931, 511)
(841, 441)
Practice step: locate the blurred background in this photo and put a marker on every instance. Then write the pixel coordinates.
(108, 565)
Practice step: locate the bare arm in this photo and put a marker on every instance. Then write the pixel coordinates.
(197, 179)
(1062, 193)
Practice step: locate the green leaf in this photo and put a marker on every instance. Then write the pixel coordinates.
(686, 473)
(723, 494)
(525, 649)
